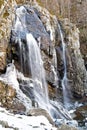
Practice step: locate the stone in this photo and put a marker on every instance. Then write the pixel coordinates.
(6, 17)
(66, 127)
(7, 94)
(11, 121)
(3, 55)
(39, 112)
(2, 61)
(8, 99)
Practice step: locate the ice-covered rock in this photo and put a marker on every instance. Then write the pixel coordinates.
(10, 121)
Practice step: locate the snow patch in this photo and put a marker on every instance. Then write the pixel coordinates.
(23, 122)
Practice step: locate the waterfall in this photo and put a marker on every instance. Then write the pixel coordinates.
(54, 68)
(65, 85)
(32, 56)
(37, 70)
(20, 30)
(20, 24)
(29, 51)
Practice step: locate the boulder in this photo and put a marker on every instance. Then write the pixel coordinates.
(66, 127)
(40, 112)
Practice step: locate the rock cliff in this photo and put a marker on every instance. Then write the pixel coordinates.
(17, 91)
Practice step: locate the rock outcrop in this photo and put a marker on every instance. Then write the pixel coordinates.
(75, 64)
(7, 94)
(75, 10)
(18, 94)
(9, 100)
(44, 28)
(6, 16)
(38, 23)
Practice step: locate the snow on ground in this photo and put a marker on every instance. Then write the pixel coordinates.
(9, 121)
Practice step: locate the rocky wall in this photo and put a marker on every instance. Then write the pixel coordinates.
(75, 64)
(75, 10)
(45, 30)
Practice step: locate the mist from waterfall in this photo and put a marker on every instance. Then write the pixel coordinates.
(65, 85)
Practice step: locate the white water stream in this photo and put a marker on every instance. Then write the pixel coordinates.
(35, 63)
(37, 70)
(65, 85)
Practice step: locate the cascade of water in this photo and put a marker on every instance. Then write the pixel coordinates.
(38, 75)
(20, 47)
(54, 68)
(37, 69)
(20, 29)
(35, 62)
(20, 24)
(65, 85)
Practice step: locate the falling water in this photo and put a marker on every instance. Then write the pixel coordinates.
(20, 49)
(37, 69)
(35, 64)
(65, 85)
(54, 68)
(20, 29)
(20, 24)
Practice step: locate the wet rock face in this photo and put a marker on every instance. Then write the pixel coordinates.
(31, 24)
(36, 21)
(79, 7)
(75, 64)
(78, 15)
(44, 28)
